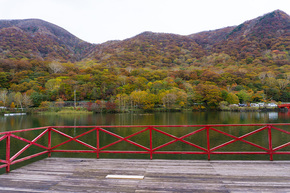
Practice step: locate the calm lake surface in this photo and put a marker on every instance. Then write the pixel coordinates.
(167, 118)
(177, 118)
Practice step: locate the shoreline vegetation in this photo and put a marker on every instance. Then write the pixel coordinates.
(91, 110)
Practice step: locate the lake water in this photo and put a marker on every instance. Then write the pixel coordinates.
(169, 118)
(165, 118)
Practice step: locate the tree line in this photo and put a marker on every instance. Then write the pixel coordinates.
(209, 81)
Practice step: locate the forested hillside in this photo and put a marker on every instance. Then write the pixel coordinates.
(40, 40)
(239, 64)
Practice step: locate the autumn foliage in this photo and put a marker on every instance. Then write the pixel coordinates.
(242, 64)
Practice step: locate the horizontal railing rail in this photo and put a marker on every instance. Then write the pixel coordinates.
(284, 106)
(49, 145)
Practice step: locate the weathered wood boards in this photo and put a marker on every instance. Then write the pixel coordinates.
(89, 175)
(129, 177)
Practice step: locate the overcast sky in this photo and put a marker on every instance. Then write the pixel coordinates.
(98, 21)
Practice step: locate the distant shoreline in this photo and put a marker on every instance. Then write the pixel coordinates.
(67, 111)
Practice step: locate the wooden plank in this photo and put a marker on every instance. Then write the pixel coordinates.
(130, 177)
(89, 175)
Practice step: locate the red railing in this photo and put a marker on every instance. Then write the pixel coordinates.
(284, 106)
(90, 131)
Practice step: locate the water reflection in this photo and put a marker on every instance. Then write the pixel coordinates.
(185, 118)
(176, 118)
(273, 115)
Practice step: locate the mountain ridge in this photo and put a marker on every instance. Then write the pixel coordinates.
(38, 39)
(248, 28)
(36, 33)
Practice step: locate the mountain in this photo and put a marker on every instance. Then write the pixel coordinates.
(148, 48)
(247, 41)
(38, 39)
(268, 32)
(253, 39)
(272, 25)
(209, 38)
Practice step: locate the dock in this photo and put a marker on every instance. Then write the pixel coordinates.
(61, 175)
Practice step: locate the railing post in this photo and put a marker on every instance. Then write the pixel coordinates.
(98, 143)
(151, 154)
(270, 142)
(8, 152)
(208, 143)
(49, 141)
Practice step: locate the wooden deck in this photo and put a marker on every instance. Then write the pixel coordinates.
(89, 175)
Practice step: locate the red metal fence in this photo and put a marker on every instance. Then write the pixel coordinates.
(50, 146)
(284, 106)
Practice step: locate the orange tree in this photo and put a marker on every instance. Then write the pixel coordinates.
(208, 94)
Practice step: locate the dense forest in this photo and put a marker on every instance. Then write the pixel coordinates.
(42, 63)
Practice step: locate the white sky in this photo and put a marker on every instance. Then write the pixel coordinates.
(98, 21)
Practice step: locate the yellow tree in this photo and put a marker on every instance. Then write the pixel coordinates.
(53, 84)
(138, 98)
(149, 101)
(181, 98)
(12, 106)
(18, 99)
(232, 98)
